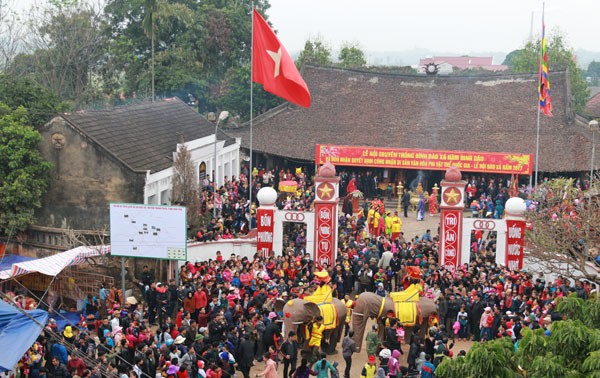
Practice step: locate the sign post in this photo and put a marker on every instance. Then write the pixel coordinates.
(326, 214)
(452, 208)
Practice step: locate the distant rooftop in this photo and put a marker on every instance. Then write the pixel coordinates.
(465, 62)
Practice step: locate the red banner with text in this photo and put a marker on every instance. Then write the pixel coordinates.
(466, 161)
(265, 223)
(515, 236)
(451, 221)
(325, 233)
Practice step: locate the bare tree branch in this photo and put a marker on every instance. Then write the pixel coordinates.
(566, 230)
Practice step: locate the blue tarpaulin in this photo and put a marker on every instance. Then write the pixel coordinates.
(8, 260)
(17, 333)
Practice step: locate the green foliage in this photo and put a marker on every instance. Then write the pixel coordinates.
(67, 48)
(315, 53)
(199, 46)
(591, 365)
(41, 104)
(351, 56)
(547, 366)
(23, 172)
(572, 340)
(560, 57)
(492, 359)
(572, 350)
(593, 69)
(534, 342)
(235, 94)
(508, 60)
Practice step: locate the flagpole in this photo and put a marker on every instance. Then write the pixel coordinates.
(537, 135)
(250, 178)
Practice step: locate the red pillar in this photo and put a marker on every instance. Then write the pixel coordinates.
(451, 220)
(326, 215)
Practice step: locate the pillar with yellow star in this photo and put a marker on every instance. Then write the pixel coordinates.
(326, 215)
(451, 219)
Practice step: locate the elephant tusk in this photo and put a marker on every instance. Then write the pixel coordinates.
(357, 313)
(296, 323)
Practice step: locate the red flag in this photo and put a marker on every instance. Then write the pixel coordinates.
(272, 66)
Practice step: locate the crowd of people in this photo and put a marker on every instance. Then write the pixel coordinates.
(218, 318)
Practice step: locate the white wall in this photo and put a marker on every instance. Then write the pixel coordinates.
(208, 250)
(201, 150)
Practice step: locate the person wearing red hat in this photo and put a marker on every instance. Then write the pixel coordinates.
(368, 371)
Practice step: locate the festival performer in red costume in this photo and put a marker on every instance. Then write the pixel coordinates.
(433, 204)
(413, 276)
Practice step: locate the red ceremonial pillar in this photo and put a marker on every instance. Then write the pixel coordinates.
(326, 215)
(451, 219)
(265, 220)
(514, 209)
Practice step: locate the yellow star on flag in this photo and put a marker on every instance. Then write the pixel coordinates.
(325, 191)
(276, 56)
(452, 196)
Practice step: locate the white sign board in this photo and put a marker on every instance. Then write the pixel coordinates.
(149, 231)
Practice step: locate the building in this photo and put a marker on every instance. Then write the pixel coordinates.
(492, 113)
(124, 154)
(446, 64)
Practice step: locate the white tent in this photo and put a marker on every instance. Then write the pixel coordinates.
(53, 265)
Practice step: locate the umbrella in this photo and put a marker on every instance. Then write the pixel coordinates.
(289, 186)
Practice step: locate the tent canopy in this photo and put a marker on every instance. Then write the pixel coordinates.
(7, 261)
(17, 333)
(53, 265)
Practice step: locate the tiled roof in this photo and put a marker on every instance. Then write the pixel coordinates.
(592, 108)
(495, 113)
(144, 135)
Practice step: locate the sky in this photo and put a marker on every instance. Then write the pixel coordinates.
(459, 26)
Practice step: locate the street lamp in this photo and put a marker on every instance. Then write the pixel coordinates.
(222, 116)
(593, 125)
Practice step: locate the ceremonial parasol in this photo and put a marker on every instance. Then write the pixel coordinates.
(289, 186)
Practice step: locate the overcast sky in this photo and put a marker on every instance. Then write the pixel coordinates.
(459, 26)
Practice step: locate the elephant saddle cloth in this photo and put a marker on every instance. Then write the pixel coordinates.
(406, 305)
(322, 298)
(329, 314)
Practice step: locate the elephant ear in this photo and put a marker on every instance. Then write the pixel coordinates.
(279, 304)
(312, 309)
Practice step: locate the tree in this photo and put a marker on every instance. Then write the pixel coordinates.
(593, 71)
(570, 349)
(155, 10)
(191, 58)
(11, 34)
(23, 172)
(66, 44)
(40, 103)
(185, 189)
(508, 60)
(235, 97)
(351, 56)
(315, 53)
(566, 227)
(560, 57)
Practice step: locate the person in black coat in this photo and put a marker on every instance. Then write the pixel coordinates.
(245, 355)
(477, 308)
(289, 352)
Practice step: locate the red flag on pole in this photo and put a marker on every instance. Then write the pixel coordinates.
(273, 67)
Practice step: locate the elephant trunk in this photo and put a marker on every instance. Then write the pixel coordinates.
(360, 316)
